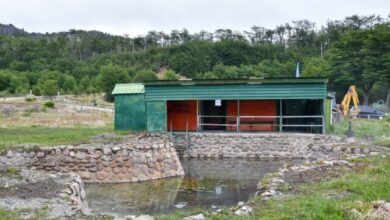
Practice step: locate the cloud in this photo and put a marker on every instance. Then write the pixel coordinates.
(136, 17)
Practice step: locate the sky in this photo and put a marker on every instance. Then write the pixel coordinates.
(137, 17)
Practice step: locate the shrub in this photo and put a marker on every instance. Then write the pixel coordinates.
(30, 99)
(49, 104)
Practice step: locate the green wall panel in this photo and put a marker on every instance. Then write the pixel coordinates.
(236, 91)
(156, 116)
(130, 113)
(328, 112)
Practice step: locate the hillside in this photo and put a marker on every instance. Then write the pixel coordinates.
(350, 51)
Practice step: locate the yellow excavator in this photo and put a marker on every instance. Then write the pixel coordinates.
(351, 95)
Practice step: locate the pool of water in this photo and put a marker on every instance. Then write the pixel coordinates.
(209, 184)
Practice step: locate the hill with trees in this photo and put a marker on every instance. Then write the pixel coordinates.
(355, 50)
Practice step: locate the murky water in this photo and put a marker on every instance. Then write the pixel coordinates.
(208, 184)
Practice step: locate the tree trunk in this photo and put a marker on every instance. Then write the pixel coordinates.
(388, 99)
(365, 98)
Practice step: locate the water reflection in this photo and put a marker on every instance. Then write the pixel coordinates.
(207, 184)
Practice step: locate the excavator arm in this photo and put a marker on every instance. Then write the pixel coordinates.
(351, 95)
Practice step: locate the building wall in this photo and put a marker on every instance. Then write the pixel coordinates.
(156, 116)
(130, 112)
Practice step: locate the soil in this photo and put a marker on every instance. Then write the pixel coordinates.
(319, 174)
(42, 189)
(37, 192)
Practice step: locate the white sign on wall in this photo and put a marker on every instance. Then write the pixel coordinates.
(218, 102)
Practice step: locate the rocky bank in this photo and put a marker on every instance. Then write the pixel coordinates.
(132, 160)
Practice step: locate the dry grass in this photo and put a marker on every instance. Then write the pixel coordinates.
(14, 113)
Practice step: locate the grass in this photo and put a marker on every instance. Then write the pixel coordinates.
(332, 199)
(378, 131)
(17, 214)
(48, 136)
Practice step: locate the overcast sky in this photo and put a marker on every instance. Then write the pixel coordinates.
(137, 17)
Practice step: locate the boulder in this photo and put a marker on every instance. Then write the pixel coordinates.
(195, 217)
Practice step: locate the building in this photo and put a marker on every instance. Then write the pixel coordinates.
(272, 105)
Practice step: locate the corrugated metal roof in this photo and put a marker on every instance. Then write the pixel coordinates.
(236, 91)
(302, 80)
(128, 88)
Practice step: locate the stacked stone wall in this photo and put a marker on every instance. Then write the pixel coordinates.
(129, 161)
(270, 145)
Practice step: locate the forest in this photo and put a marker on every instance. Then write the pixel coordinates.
(355, 50)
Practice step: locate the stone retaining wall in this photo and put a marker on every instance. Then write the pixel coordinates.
(269, 145)
(133, 160)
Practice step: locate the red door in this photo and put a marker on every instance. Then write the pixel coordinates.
(182, 114)
(253, 108)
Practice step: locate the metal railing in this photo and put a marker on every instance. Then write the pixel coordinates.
(254, 123)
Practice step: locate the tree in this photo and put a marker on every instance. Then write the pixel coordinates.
(353, 63)
(145, 75)
(69, 84)
(5, 79)
(377, 48)
(170, 75)
(48, 87)
(315, 67)
(110, 75)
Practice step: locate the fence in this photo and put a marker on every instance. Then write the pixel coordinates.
(310, 123)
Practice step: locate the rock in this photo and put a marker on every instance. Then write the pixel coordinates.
(356, 214)
(337, 149)
(180, 205)
(115, 149)
(72, 154)
(9, 154)
(195, 217)
(80, 155)
(245, 210)
(85, 175)
(82, 194)
(379, 210)
(101, 175)
(106, 150)
(125, 153)
(143, 217)
(239, 204)
(40, 154)
(266, 194)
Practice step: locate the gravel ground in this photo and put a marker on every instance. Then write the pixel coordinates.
(35, 192)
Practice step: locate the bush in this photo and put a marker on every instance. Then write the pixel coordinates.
(30, 99)
(387, 118)
(49, 104)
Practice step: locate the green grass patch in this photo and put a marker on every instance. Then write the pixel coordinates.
(332, 199)
(7, 215)
(376, 130)
(48, 136)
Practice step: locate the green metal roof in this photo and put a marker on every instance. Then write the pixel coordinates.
(286, 88)
(128, 88)
(237, 81)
